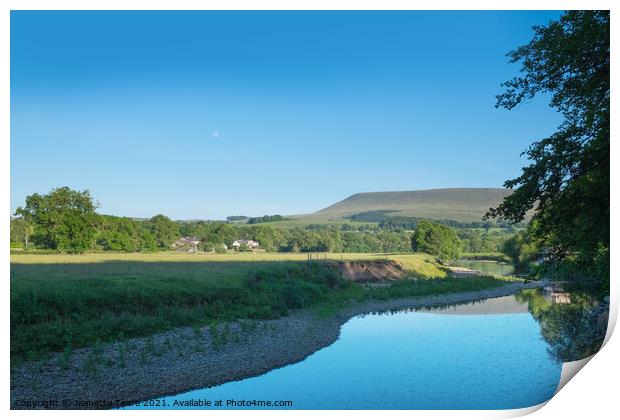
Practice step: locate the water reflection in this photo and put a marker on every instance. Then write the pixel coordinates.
(573, 320)
(492, 268)
(488, 306)
(556, 294)
(572, 317)
(495, 353)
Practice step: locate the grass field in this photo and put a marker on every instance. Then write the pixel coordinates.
(199, 257)
(37, 266)
(60, 302)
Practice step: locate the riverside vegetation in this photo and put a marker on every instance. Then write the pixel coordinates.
(69, 288)
(63, 302)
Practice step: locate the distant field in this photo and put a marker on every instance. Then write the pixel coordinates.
(317, 219)
(212, 267)
(199, 257)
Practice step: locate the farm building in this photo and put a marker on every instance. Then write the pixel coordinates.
(186, 243)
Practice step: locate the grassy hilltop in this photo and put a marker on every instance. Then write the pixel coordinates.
(460, 204)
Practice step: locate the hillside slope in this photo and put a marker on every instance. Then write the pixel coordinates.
(461, 204)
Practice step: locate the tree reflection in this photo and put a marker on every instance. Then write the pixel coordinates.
(572, 322)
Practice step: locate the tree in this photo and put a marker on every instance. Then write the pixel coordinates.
(567, 181)
(523, 247)
(437, 240)
(222, 233)
(270, 239)
(198, 229)
(164, 230)
(21, 231)
(63, 220)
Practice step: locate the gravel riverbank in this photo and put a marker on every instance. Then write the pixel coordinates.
(185, 358)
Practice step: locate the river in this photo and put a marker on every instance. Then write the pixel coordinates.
(491, 354)
(488, 267)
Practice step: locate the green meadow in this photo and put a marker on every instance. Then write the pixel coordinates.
(60, 302)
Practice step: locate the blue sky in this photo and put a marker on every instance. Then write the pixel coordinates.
(210, 114)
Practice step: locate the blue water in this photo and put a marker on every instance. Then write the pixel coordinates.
(412, 360)
(488, 267)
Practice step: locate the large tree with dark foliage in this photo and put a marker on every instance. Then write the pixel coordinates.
(164, 230)
(64, 219)
(436, 239)
(567, 181)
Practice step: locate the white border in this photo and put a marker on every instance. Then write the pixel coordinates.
(307, 5)
(592, 395)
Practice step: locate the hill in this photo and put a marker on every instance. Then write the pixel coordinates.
(460, 204)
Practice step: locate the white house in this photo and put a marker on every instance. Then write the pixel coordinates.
(247, 242)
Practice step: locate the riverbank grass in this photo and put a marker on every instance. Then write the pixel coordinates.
(60, 302)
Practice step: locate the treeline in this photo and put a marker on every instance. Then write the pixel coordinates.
(266, 219)
(66, 221)
(317, 239)
(387, 221)
(236, 218)
(473, 240)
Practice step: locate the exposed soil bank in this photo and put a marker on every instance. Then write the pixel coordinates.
(371, 271)
(184, 359)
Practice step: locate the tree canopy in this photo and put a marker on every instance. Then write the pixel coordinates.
(64, 219)
(436, 239)
(123, 234)
(567, 181)
(164, 230)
